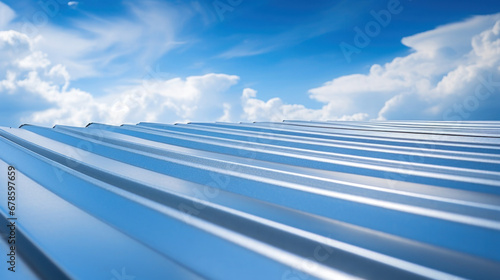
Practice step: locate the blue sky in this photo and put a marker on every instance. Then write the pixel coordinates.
(238, 60)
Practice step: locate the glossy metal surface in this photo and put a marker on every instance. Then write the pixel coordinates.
(290, 200)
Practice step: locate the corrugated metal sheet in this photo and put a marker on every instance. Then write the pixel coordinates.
(291, 200)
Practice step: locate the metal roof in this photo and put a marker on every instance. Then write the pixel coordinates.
(289, 200)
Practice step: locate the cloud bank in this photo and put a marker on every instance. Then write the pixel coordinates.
(30, 75)
(445, 68)
(450, 73)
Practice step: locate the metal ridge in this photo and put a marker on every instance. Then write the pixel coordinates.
(265, 200)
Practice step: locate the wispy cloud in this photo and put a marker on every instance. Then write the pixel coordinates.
(334, 18)
(73, 4)
(94, 46)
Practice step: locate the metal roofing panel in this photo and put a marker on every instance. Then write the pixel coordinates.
(290, 200)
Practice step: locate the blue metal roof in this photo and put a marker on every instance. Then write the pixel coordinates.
(289, 200)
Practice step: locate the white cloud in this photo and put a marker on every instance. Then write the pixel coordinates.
(445, 77)
(31, 74)
(73, 4)
(13, 45)
(175, 99)
(35, 60)
(275, 110)
(442, 73)
(453, 73)
(8, 85)
(226, 117)
(91, 45)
